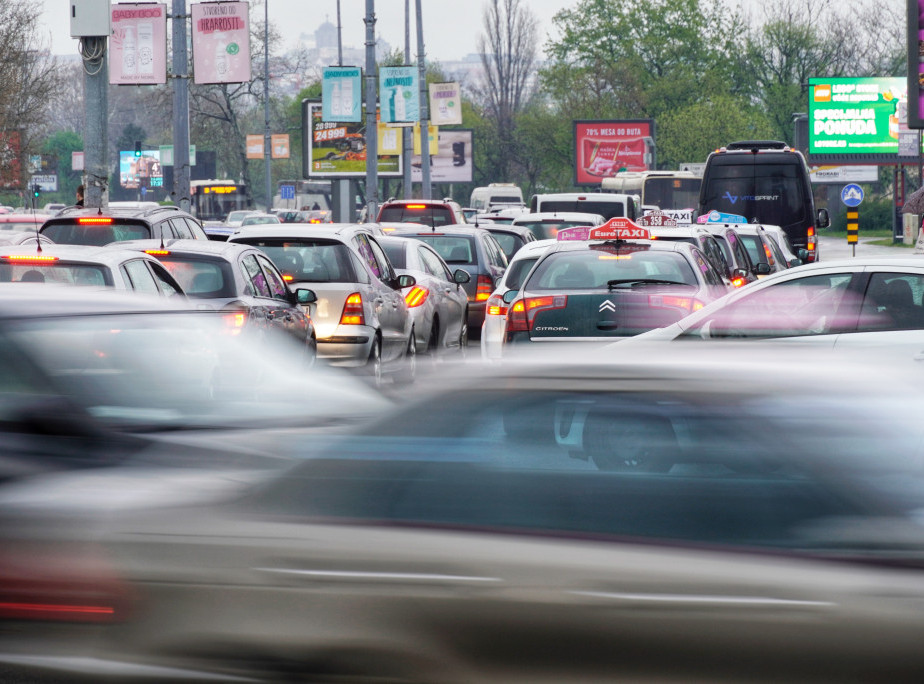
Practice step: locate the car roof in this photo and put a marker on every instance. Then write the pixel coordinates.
(25, 217)
(296, 230)
(448, 229)
(145, 213)
(557, 215)
(108, 256)
(27, 300)
(217, 248)
(682, 230)
(661, 246)
(533, 249)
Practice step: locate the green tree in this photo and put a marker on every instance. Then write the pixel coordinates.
(60, 145)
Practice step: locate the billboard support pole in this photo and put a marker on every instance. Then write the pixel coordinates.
(96, 86)
(181, 170)
(427, 189)
(372, 138)
(407, 143)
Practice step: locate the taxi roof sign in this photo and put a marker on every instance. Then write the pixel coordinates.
(618, 228)
(657, 219)
(720, 217)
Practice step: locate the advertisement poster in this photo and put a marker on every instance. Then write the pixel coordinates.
(915, 81)
(341, 94)
(390, 139)
(452, 162)
(855, 115)
(279, 145)
(140, 172)
(221, 42)
(10, 159)
(138, 45)
(604, 147)
(399, 94)
(254, 146)
(446, 104)
(338, 150)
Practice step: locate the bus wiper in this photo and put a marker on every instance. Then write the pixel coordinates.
(633, 282)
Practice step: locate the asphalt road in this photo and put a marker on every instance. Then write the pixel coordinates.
(836, 247)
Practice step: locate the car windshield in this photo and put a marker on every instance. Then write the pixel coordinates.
(96, 234)
(167, 371)
(58, 272)
(601, 265)
(309, 260)
(201, 278)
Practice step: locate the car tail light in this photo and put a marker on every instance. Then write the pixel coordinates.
(29, 258)
(286, 277)
(522, 314)
(353, 311)
(416, 206)
(738, 282)
(94, 220)
(769, 254)
(485, 287)
(689, 304)
(416, 296)
(64, 583)
(496, 306)
(811, 243)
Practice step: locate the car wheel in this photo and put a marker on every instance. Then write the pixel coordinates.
(433, 343)
(374, 364)
(311, 352)
(408, 373)
(631, 443)
(463, 334)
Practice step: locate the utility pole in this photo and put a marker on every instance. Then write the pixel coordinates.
(181, 169)
(372, 133)
(424, 111)
(407, 133)
(96, 118)
(267, 138)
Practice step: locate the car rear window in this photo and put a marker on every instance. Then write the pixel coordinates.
(428, 214)
(97, 234)
(308, 259)
(58, 272)
(595, 268)
(199, 277)
(455, 249)
(509, 242)
(548, 229)
(607, 210)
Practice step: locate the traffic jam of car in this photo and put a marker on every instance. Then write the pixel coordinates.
(552, 445)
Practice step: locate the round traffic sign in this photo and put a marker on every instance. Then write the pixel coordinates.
(852, 195)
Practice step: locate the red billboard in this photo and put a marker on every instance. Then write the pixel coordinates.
(604, 147)
(10, 160)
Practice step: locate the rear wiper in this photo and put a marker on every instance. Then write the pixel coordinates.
(633, 282)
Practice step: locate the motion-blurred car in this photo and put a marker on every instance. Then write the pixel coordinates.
(437, 301)
(237, 279)
(511, 238)
(234, 218)
(763, 254)
(82, 265)
(473, 249)
(862, 302)
(608, 282)
(16, 222)
(545, 226)
(497, 529)
(23, 237)
(88, 226)
(259, 219)
(495, 313)
(742, 270)
(361, 319)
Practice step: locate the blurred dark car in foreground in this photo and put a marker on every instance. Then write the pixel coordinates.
(94, 378)
(698, 517)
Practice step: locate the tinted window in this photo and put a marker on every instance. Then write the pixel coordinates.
(308, 260)
(595, 268)
(893, 301)
(255, 277)
(455, 249)
(548, 229)
(73, 233)
(509, 243)
(396, 254)
(773, 193)
(517, 270)
(140, 277)
(429, 215)
(181, 229)
(385, 268)
(433, 264)
(755, 248)
(201, 278)
(276, 284)
(672, 193)
(606, 209)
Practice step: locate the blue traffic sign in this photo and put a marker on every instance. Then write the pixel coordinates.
(852, 195)
(287, 192)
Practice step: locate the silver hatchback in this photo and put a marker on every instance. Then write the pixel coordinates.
(361, 319)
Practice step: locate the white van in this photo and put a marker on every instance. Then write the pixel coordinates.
(607, 204)
(496, 196)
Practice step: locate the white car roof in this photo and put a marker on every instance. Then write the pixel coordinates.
(559, 215)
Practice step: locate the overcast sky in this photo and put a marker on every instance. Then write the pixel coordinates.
(451, 27)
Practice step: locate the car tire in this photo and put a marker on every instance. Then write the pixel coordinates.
(433, 341)
(408, 373)
(311, 352)
(374, 362)
(632, 443)
(463, 334)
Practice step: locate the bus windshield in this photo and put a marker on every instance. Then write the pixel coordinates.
(671, 193)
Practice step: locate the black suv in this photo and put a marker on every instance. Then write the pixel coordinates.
(90, 226)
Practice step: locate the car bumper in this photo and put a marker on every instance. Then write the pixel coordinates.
(349, 346)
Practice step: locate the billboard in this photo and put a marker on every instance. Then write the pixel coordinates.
(221, 42)
(452, 162)
(399, 94)
(341, 94)
(915, 83)
(604, 147)
(338, 149)
(140, 172)
(857, 119)
(10, 159)
(138, 45)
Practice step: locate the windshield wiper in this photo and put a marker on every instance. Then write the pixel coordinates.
(633, 282)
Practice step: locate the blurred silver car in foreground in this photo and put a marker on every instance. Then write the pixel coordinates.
(700, 517)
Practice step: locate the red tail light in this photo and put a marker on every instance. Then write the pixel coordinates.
(416, 206)
(353, 311)
(94, 220)
(738, 282)
(689, 304)
(522, 314)
(485, 288)
(286, 277)
(496, 306)
(811, 243)
(29, 259)
(769, 254)
(63, 584)
(157, 252)
(417, 296)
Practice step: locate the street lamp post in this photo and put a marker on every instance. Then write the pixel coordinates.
(266, 109)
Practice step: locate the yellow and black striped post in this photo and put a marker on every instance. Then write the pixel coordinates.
(853, 227)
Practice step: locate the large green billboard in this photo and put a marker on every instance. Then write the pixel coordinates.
(856, 116)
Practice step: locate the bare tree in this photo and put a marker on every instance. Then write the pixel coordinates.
(508, 55)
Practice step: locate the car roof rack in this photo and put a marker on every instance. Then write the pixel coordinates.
(165, 207)
(757, 144)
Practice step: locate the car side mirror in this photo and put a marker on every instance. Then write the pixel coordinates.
(460, 276)
(803, 255)
(406, 281)
(510, 295)
(762, 269)
(823, 219)
(305, 296)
